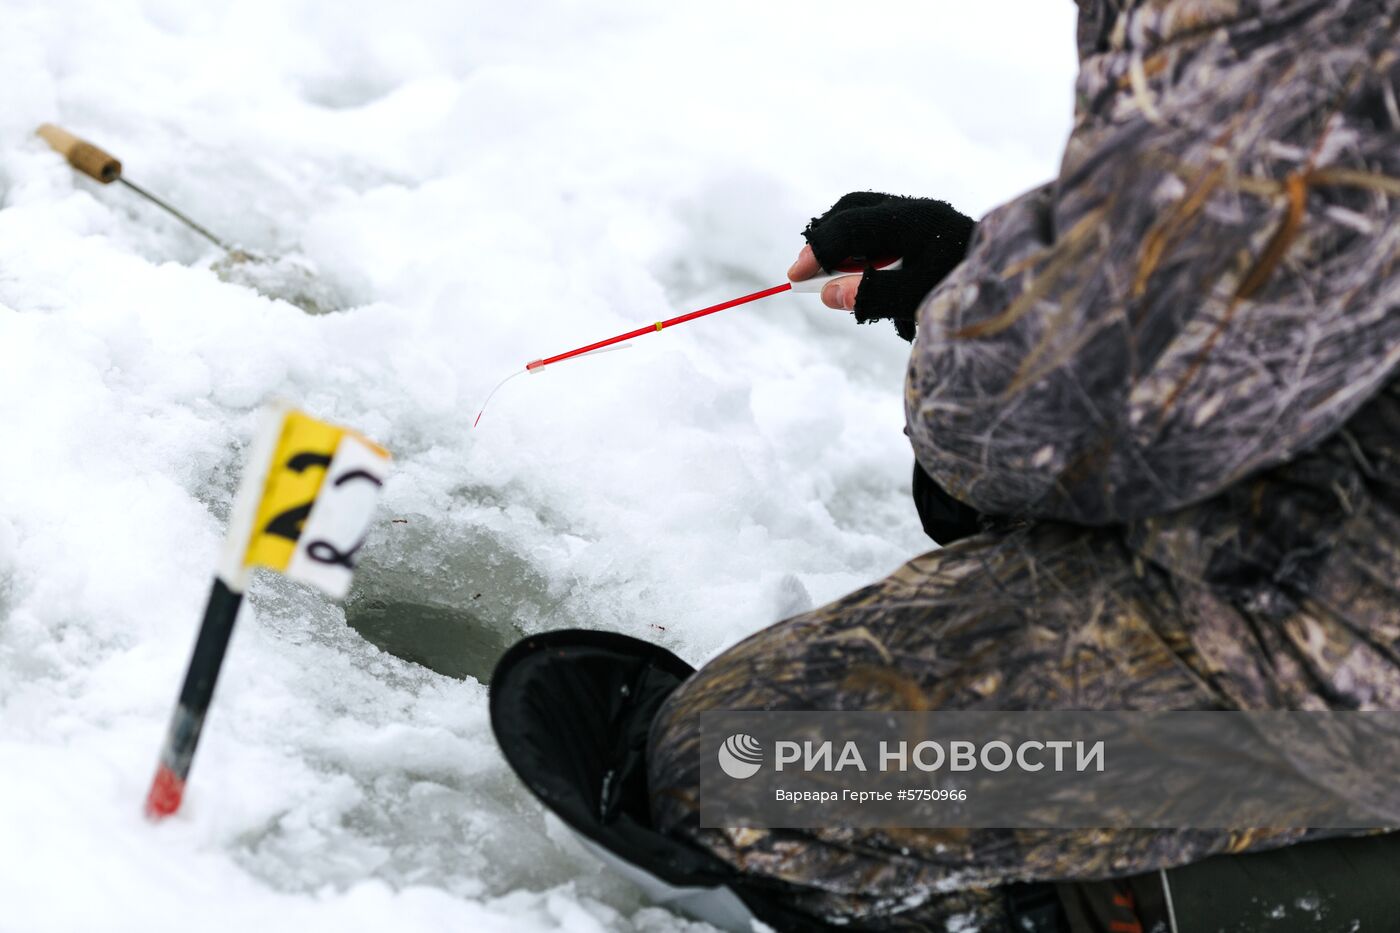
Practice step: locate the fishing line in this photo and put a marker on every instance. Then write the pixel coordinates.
(537, 369)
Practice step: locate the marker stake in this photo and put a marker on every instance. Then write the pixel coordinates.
(303, 509)
(181, 739)
(216, 628)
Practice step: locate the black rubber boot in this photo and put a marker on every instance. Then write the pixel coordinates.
(571, 711)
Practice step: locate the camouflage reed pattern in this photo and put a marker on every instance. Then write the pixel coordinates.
(1172, 373)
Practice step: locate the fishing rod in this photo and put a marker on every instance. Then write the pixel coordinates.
(814, 284)
(101, 166)
(105, 168)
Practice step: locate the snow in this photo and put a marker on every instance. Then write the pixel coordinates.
(457, 188)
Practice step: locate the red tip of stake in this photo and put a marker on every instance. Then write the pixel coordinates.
(166, 792)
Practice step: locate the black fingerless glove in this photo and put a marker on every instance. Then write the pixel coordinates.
(930, 236)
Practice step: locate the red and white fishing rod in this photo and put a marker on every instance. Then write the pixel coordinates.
(814, 284)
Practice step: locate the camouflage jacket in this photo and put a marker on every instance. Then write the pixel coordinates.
(1209, 287)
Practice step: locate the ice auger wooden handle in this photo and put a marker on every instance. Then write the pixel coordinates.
(106, 168)
(81, 154)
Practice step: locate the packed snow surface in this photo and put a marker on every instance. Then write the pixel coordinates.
(439, 193)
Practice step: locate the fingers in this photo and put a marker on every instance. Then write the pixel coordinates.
(841, 293)
(805, 267)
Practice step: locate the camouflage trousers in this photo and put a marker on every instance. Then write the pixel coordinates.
(1280, 594)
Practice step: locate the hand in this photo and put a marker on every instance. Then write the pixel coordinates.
(930, 236)
(838, 293)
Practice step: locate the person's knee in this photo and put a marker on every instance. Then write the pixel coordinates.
(802, 664)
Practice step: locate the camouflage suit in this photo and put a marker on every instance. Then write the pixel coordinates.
(1173, 372)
